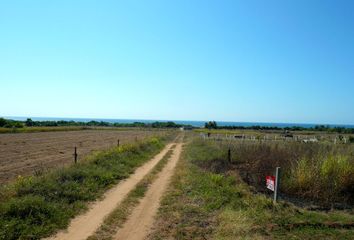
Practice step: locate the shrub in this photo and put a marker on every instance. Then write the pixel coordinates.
(29, 215)
(3, 122)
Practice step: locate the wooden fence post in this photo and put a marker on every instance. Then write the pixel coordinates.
(118, 143)
(229, 155)
(75, 155)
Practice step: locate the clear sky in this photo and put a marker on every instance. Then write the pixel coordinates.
(264, 61)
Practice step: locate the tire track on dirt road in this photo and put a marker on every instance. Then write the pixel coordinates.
(139, 224)
(86, 224)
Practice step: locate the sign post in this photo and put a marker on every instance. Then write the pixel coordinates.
(272, 183)
(276, 190)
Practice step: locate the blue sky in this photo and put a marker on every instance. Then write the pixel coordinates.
(258, 61)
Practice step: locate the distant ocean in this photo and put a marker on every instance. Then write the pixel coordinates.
(193, 123)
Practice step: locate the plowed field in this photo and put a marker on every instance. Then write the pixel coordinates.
(27, 153)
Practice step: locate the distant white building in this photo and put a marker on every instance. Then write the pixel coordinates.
(310, 140)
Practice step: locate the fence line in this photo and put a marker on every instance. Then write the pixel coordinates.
(275, 138)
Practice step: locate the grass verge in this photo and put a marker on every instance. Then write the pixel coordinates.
(35, 207)
(116, 219)
(203, 204)
(321, 173)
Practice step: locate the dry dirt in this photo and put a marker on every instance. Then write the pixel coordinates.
(139, 224)
(85, 225)
(25, 153)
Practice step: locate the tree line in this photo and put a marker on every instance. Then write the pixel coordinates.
(9, 123)
(319, 128)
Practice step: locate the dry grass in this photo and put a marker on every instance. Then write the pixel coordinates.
(321, 172)
(206, 201)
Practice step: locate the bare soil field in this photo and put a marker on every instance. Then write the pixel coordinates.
(25, 153)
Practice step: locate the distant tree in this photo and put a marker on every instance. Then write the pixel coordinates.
(3, 122)
(18, 125)
(13, 124)
(29, 122)
(211, 125)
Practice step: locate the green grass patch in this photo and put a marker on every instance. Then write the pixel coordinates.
(204, 204)
(116, 219)
(35, 207)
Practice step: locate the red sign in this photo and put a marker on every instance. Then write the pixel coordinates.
(270, 182)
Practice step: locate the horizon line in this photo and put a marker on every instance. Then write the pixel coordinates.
(164, 120)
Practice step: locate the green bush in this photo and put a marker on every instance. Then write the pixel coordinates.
(10, 123)
(29, 216)
(3, 122)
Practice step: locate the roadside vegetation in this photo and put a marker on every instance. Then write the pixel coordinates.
(37, 206)
(321, 173)
(208, 199)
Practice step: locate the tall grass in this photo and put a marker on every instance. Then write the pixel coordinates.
(329, 178)
(35, 207)
(321, 172)
(208, 200)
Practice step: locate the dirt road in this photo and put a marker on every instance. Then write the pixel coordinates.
(24, 153)
(85, 225)
(139, 224)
